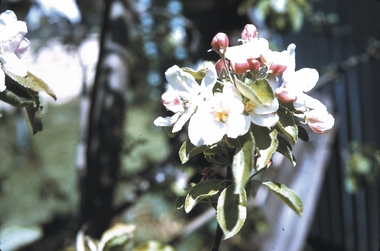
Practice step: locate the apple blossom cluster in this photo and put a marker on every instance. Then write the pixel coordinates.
(225, 98)
(13, 46)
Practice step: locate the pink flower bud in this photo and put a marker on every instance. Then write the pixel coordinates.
(240, 66)
(285, 95)
(254, 64)
(219, 66)
(220, 42)
(249, 32)
(320, 121)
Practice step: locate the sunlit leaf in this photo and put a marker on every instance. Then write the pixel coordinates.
(266, 144)
(258, 91)
(31, 82)
(287, 125)
(263, 91)
(188, 150)
(180, 201)
(285, 148)
(201, 191)
(153, 246)
(242, 162)
(198, 75)
(231, 211)
(117, 236)
(288, 196)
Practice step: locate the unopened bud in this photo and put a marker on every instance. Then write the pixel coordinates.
(219, 66)
(241, 66)
(220, 42)
(249, 32)
(320, 121)
(254, 64)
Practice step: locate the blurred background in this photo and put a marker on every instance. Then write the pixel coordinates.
(100, 160)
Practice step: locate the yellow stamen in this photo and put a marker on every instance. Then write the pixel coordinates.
(249, 106)
(222, 116)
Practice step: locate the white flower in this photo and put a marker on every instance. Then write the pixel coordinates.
(259, 112)
(250, 49)
(262, 115)
(13, 45)
(219, 116)
(296, 83)
(184, 94)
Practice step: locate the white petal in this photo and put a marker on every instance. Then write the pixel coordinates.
(13, 64)
(184, 118)
(167, 121)
(266, 120)
(183, 82)
(261, 109)
(305, 79)
(7, 17)
(237, 125)
(2, 81)
(305, 102)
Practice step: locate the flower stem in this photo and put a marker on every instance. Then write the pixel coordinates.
(217, 238)
(219, 232)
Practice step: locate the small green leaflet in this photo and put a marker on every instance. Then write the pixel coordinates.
(288, 196)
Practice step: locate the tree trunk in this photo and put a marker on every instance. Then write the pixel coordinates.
(98, 174)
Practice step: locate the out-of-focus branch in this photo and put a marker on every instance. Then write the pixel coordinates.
(372, 53)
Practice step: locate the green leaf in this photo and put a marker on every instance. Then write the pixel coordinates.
(287, 125)
(201, 191)
(218, 158)
(188, 150)
(35, 118)
(263, 91)
(179, 202)
(288, 196)
(169, 131)
(231, 211)
(285, 148)
(242, 162)
(198, 75)
(302, 134)
(153, 246)
(17, 97)
(119, 235)
(258, 91)
(217, 154)
(31, 82)
(266, 144)
(35, 114)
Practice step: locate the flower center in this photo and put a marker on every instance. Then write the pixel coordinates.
(249, 107)
(222, 116)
